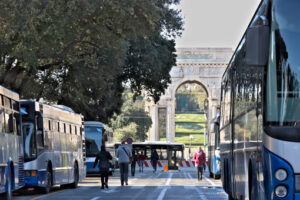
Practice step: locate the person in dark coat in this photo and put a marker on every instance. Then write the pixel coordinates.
(154, 159)
(133, 163)
(103, 157)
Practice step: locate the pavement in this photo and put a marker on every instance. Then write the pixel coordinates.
(170, 185)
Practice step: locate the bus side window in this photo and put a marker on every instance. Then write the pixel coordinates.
(39, 133)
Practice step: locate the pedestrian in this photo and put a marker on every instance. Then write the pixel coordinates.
(142, 158)
(199, 158)
(124, 155)
(103, 157)
(154, 159)
(133, 163)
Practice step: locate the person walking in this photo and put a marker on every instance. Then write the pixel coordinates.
(133, 163)
(103, 158)
(154, 159)
(199, 158)
(142, 158)
(123, 154)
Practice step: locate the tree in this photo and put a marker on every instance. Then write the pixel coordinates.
(129, 131)
(79, 53)
(133, 112)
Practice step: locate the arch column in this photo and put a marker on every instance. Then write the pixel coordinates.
(170, 134)
(155, 123)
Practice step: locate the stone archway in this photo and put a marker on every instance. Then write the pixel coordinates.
(201, 65)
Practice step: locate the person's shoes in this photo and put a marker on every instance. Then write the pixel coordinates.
(126, 183)
(106, 186)
(102, 187)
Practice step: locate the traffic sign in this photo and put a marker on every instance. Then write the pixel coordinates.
(129, 140)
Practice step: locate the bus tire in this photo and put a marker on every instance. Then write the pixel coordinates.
(48, 187)
(8, 195)
(76, 176)
(216, 176)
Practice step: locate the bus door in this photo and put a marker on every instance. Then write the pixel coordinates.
(172, 159)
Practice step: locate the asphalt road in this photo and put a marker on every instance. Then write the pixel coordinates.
(172, 185)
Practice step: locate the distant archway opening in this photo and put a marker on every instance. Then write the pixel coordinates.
(190, 113)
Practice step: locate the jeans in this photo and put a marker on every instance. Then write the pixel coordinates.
(141, 165)
(124, 173)
(199, 171)
(154, 165)
(104, 178)
(133, 168)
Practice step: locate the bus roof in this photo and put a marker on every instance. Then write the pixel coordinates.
(9, 93)
(55, 112)
(156, 144)
(94, 124)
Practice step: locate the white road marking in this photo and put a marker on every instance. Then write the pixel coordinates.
(169, 179)
(95, 198)
(162, 194)
(209, 181)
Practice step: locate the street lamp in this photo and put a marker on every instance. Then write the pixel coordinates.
(191, 137)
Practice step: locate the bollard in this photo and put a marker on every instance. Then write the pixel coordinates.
(166, 168)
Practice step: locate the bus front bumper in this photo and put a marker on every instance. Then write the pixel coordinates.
(34, 178)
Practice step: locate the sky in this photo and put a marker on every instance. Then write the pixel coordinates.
(215, 23)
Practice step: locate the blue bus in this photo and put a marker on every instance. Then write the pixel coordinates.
(54, 145)
(11, 143)
(96, 135)
(260, 107)
(213, 144)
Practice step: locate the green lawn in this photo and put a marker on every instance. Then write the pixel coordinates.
(190, 117)
(187, 124)
(189, 127)
(198, 139)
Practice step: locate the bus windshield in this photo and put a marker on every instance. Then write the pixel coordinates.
(29, 141)
(93, 137)
(283, 74)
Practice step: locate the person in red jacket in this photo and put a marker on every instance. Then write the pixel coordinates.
(142, 158)
(199, 158)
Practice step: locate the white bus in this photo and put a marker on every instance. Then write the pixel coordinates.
(11, 143)
(54, 145)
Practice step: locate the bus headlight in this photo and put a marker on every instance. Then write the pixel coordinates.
(280, 174)
(281, 191)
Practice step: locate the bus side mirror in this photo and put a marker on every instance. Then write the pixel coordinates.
(257, 45)
(11, 123)
(105, 138)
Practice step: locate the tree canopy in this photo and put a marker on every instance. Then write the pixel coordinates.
(133, 121)
(80, 53)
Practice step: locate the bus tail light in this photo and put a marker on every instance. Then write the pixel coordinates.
(281, 191)
(33, 173)
(30, 173)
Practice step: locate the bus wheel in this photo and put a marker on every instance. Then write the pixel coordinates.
(76, 177)
(9, 186)
(48, 187)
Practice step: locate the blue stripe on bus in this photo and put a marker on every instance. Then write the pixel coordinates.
(90, 169)
(271, 163)
(217, 161)
(2, 175)
(297, 196)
